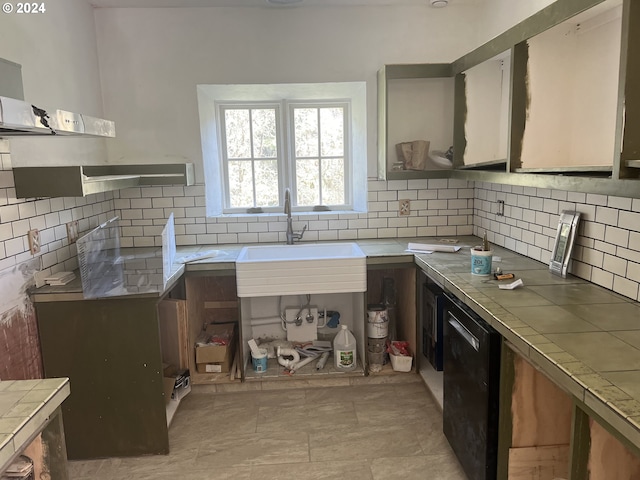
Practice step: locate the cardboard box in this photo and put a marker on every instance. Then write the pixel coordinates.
(216, 358)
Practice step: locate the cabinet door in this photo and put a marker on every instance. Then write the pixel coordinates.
(174, 334)
(573, 78)
(110, 350)
(486, 126)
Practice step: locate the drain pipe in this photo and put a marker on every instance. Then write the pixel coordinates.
(289, 352)
(302, 363)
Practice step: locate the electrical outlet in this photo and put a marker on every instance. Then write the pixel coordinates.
(404, 207)
(72, 231)
(500, 211)
(34, 241)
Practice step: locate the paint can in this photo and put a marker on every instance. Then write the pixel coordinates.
(377, 321)
(259, 361)
(481, 261)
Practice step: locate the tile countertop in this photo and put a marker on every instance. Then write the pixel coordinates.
(584, 337)
(25, 409)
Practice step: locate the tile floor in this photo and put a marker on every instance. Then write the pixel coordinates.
(375, 431)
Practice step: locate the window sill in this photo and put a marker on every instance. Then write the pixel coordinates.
(297, 214)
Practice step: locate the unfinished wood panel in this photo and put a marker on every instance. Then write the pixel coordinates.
(405, 287)
(608, 458)
(35, 451)
(541, 411)
(174, 332)
(539, 463)
(210, 299)
(406, 307)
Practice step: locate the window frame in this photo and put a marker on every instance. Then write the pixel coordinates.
(346, 134)
(221, 107)
(285, 148)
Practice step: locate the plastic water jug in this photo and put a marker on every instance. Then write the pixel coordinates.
(344, 349)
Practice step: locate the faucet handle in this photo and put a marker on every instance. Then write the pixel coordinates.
(299, 235)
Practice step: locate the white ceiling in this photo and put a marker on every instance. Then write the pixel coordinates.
(262, 3)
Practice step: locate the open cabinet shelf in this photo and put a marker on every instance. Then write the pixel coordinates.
(415, 103)
(553, 102)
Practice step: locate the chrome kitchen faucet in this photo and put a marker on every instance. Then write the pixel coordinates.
(291, 235)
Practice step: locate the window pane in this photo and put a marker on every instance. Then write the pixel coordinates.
(238, 133)
(240, 184)
(264, 133)
(266, 183)
(308, 185)
(333, 182)
(332, 131)
(306, 131)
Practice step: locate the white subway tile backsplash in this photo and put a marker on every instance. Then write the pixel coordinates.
(131, 214)
(617, 236)
(621, 203)
(577, 197)
(140, 202)
(608, 216)
(602, 278)
(387, 196)
(625, 287)
(607, 249)
(14, 246)
(615, 265)
(427, 194)
(347, 234)
(629, 220)
(248, 237)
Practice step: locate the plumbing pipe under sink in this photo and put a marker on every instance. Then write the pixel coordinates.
(287, 352)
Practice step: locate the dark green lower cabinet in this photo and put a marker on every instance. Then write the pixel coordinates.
(110, 350)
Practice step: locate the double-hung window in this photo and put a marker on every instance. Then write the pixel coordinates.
(258, 139)
(269, 146)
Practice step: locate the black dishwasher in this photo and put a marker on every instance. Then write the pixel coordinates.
(471, 389)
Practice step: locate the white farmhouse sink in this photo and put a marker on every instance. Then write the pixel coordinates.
(270, 270)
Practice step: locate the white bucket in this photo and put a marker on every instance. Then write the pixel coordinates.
(259, 361)
(377, 321)
(481, 261)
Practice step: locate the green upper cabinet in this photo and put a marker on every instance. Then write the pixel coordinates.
(415, 120)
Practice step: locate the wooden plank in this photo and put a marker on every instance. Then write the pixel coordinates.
(539, 463)
(541, 411)
(174, 337)
(609, 458)
(222, 304)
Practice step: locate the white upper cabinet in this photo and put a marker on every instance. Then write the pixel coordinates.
(487, 117)
(573, 77)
